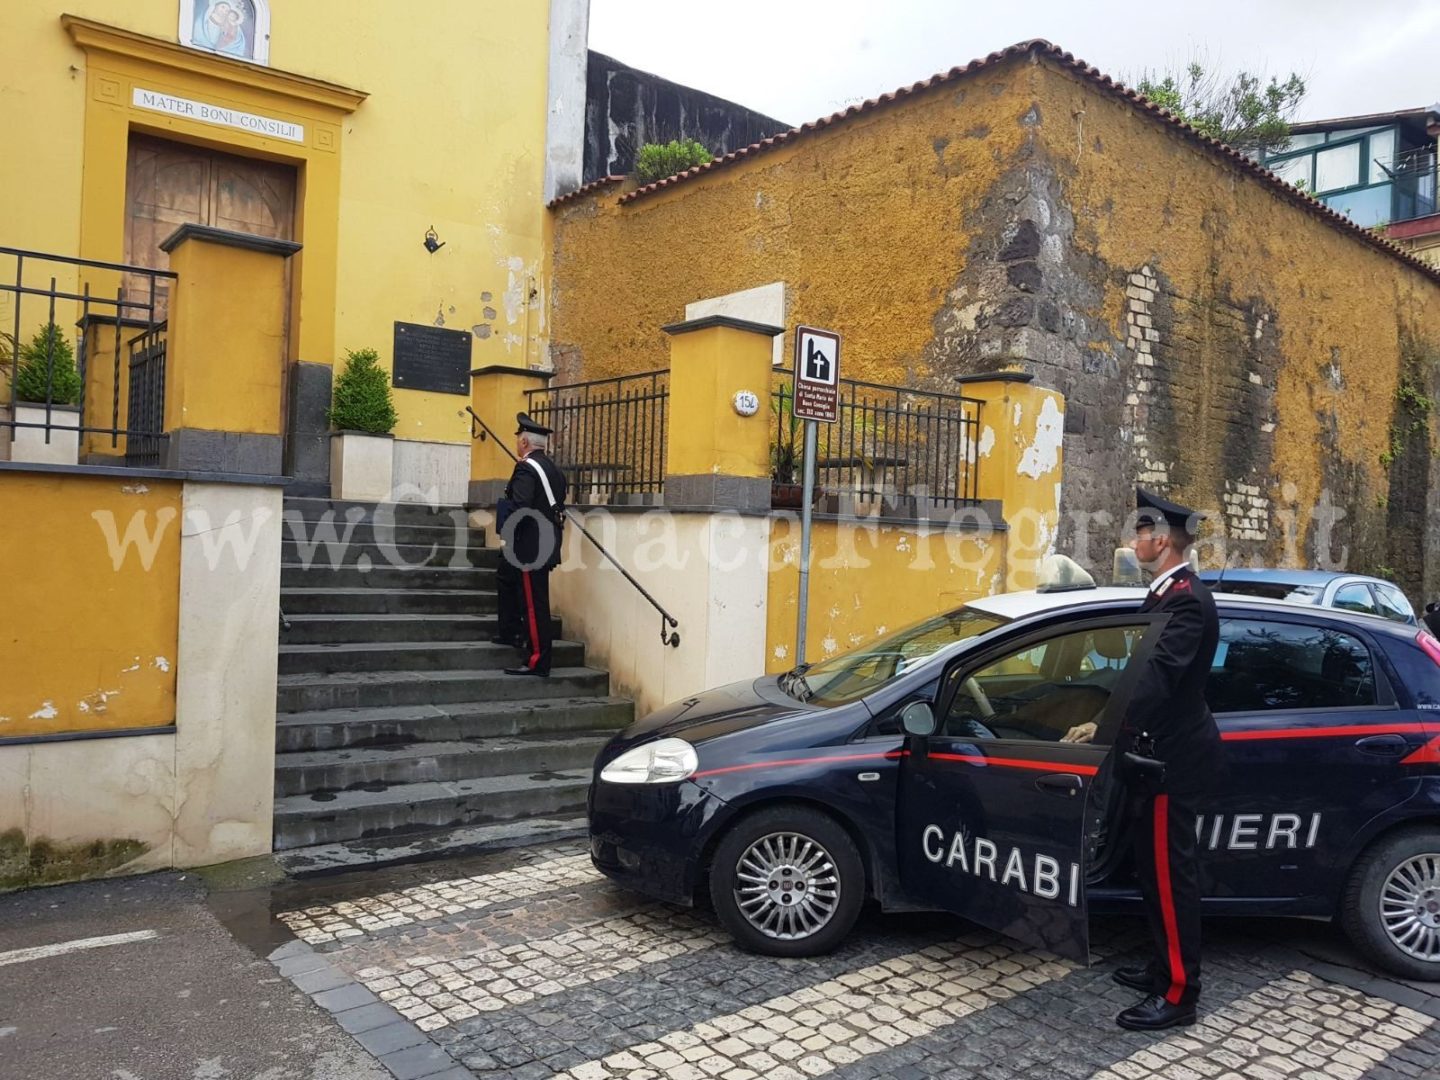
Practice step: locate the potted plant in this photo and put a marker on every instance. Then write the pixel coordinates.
(44, 371)
(362, 461)
(787, 454)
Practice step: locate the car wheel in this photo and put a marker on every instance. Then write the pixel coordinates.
(787, 881)
(1391, 905)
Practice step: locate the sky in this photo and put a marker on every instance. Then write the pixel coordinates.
(797, 60)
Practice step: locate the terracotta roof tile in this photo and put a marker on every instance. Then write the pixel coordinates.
(585, 189)
(1041, 48)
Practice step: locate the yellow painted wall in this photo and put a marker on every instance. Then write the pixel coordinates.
(97, 645)
(451, 135)
(866, 222)
(867, 581)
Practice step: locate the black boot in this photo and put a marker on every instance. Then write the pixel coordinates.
(1136, 978)
(1156, 1014)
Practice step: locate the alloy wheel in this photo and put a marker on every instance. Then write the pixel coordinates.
(787, 886)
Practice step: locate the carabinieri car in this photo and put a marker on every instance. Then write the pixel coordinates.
(932, 771)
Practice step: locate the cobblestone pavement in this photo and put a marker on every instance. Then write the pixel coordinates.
(529, 964)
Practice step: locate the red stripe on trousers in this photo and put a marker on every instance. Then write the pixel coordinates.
(1167, 901)
(534, 626)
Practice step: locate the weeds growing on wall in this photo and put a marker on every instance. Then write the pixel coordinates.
(656, 161)
(362, 395)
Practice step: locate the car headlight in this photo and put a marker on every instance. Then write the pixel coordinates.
(665, 761)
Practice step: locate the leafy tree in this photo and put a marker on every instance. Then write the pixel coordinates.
(46, 368)
(362, 395)
(1248, 111)
(656, 161)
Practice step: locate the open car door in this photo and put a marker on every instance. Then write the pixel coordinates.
(1005, 803)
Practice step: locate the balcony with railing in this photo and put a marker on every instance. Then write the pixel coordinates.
(894, 451)
(82, 360)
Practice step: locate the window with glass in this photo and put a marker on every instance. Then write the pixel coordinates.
(1351, 171)
(1393, 604)
(1047, 691)
(1261, 666)
(853, 675)
(1355, 597)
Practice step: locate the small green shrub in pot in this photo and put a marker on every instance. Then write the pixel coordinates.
(47, 363)
(362, 395)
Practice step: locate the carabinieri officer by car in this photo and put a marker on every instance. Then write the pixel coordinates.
(1169, 722)
(531, 519)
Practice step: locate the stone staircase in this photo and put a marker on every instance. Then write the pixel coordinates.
(397, 724)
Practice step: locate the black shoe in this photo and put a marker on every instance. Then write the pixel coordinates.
(1136, 978)
(527, 671)
(508, 642)
(1156, 1014)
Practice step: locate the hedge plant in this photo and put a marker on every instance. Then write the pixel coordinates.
(362, 395)
(656, 161)
(47, 363)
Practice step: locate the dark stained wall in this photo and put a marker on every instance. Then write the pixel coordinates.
(625, 108)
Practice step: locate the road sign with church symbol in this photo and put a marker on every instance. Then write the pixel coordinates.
(817, 375)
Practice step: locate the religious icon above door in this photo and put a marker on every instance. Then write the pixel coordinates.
(235, 28)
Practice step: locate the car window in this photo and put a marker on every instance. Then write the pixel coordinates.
(1046, 690)
(853, 675)
(1393, 604)
(1262, 665)
(1355, 598)
(1274, 590)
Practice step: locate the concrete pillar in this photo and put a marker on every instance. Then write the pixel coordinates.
(225, 363)
(1019, 449)
(714, 455)
(497, 393)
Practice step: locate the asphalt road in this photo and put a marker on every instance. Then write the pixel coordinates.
(189, 1003)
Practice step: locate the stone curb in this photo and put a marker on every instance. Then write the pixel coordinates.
(406, 1051)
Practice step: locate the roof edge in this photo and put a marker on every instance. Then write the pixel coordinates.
(1042, 49)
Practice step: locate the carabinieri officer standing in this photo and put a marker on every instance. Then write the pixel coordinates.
(534, 512)
(1168, 721)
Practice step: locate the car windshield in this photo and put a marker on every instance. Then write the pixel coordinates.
(847, 678)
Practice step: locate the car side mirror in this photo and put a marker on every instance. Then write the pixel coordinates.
(918, 718)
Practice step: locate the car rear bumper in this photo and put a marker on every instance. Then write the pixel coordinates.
(651, 837)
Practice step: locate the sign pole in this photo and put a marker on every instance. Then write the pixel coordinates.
(808, 497)
(816, 400)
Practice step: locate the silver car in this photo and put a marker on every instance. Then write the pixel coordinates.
(1323, 588)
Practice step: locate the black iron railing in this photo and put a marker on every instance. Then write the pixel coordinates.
(146, 410)
(669, 627)
(609, 435)
(894, 450)
(38, 309)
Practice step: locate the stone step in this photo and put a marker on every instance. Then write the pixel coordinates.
(367, 532)
(385, 554)
(377, 689)
(422, 657)
(328, 729)
(400, 513)
(386, 577)
(379, 767)
(326, 818)
(327, 629)
(462, 841)
(328, 600)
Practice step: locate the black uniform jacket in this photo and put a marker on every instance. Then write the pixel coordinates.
(536, 535)
(1169, 703)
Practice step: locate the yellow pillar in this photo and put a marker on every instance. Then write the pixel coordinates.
(497, 393)
(716, 455)
(226, 355)
(1019, 450)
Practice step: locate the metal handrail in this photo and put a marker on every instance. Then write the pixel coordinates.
(672, 638)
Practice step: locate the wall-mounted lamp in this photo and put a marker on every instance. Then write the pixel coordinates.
(433, 243)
